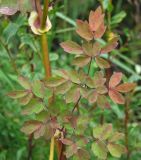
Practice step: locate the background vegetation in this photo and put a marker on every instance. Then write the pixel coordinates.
(20, 53)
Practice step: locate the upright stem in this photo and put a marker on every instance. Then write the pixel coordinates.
(45, 13)
(47, 67)
(51, 156)
(126, 121)
(46, 60)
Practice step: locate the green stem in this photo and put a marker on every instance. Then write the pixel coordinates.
(45, 13)
(47, 67)
(51, 155)
(45, 52)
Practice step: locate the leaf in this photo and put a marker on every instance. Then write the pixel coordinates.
(96, 49)
(118, 18)
(38, 88)
(24, 82)
(74, 77)
(91, 49)
(99, 149)
(88, 48)
(99, 79)
(40, 132)
(72, 47)
(100, 32)
(53, 57)
(8, 10)
(55, 81)
(92, 97)
(63, 88)
(84, 92)
(67, 141)
(62, 73)
(110, 46)
(115, 79)
(102, 63)
(31, 126)
(125, 87)
(35, 106)
(26, 99)
(83, 30)
(83, 154)
(90, 82)
(43, 116)
(102, 102)
(116, 150)
(101, 89)
(96, 18)
(81, 61)
(12, 6)
(7, 34)
(116, 136)
(17, 94)
(71, 150)
(102, 132)
(82, 76)
(72, 95)
(116, 96)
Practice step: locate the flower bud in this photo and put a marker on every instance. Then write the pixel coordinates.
(35, 24)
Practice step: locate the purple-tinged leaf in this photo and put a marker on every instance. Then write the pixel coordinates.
(100, 32)
(74, 76)
(40, 132)
(67, 141)
(63, 88)
(99, 79)
(71, 150)
(116, 96)
(102, 63)
(83, 154)
(102, 102)
(81, 61)
(30, 127)
(125, 87)
(115, 79)
(71, 47)
(95, 19)
(55, 81)
(8, 10)
(92, 97)
(102, 89)
(72, 95)
(83, 30)
(110, 46)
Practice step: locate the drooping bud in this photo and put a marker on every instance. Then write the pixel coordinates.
(35, 24)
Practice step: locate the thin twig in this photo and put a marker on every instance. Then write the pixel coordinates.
(76, 105)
